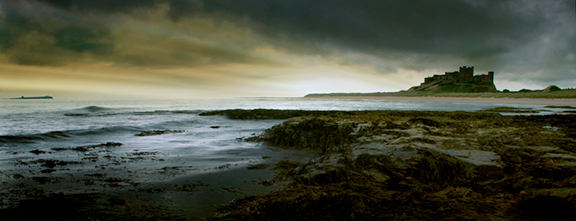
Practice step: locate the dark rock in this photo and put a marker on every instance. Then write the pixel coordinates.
(258, 166)
(50, 164)
(37, 152)
(48, 170)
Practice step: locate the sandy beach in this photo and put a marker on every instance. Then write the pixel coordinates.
(511, 101)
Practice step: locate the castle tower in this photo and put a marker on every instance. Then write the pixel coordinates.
(467, 74)
(491, 76)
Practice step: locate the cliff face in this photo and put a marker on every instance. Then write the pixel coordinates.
(462, 81)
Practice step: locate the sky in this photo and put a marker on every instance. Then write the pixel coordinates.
(189, 49)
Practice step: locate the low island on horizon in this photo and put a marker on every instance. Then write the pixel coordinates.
(42, 97)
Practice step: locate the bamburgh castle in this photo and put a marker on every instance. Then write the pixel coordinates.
(465, 75)
(462, 81)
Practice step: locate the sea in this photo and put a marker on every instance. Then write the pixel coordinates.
(93, 137)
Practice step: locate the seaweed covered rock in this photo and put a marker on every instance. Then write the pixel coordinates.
(382, 163)
(441, 168)
(351, 192)
(425, 121)
(310, 134)
(412, 165)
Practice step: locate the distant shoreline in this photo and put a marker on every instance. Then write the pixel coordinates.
(492, 100)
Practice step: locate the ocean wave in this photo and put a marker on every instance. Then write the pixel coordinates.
(165, 112)
(89, 111)
(30, 138)
(55, 135)
(107, 130)
(95, 111)
(177, 123)
(187, 111)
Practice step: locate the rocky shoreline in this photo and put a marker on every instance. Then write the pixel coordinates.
(411, 165)
(372, 165)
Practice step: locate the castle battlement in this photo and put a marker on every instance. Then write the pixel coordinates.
(464, 75)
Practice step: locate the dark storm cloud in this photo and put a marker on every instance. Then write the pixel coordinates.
(474, 29)
(13, 24)
(31, 41)
(79, 31)
(5, 37)
(80, 39)
(178, 8)
(504, 36)
(442, 26)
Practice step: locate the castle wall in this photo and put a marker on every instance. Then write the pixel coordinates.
(481, 78)
(451, 75)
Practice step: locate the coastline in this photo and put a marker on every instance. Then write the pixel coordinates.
(512, 101)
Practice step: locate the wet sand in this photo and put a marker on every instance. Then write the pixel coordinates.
(511, 101)
(116, 194)
(185, 198)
